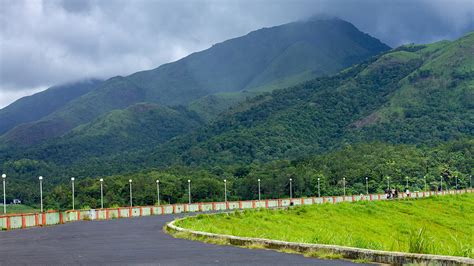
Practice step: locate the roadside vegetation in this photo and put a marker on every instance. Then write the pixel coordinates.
(18, 208)
(438, 225)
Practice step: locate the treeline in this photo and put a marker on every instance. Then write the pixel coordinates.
(377, 161)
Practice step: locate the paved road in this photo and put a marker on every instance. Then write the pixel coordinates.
(130, 241)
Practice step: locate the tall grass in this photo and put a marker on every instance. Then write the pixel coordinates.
(438, 225)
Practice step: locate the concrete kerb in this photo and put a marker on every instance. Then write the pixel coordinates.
(352, 253)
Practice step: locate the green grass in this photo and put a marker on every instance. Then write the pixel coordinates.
(18, 208)
(438, 225)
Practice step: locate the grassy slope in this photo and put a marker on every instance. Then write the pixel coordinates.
(438, 225)
(18, 208)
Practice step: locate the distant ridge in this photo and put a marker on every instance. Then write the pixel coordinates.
(262, 60)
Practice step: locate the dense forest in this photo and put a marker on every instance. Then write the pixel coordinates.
(451, 162)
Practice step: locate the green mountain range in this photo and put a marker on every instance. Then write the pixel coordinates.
(261, 60)
(415, 94)
(34, 107)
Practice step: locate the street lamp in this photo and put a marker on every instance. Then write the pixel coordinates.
(424, 177)
(319, 188)
(225, 190)
(101, 193)
(388, 183)
(4, 176)
(291, 190)
(344, 185)
(41, 192)
(259, 198)
(158, 190)
(441, 182)
(131, 198)
(366, 185)
(189, 191)
(406, 177)
(72, 181)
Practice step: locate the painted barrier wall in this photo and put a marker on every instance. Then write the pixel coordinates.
(17, 221)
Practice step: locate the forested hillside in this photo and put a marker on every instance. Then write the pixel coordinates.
(413, 94)
(265, 59)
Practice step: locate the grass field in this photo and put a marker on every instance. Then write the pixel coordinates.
(18, 208)
(437, 225)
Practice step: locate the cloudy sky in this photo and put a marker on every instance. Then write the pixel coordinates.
(43, 43)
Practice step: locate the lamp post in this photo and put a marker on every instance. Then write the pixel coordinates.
(291, 190)
(319, 188)
(4, 176)
(406, 177)
(131, 197)
(441, 182)
(366, 185)
(456, 178)
(41, 192)
(424, 177)
(388, 183)
(101, 193)
(72, 183)
(189, 191)
(259, 194)
(158, 191)
(225, 190)
(344, 186)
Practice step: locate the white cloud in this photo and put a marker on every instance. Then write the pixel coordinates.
(43, 43)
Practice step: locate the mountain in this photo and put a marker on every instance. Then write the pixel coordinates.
(139, 126)
(415, 94)
(39, 105)
(261, 60)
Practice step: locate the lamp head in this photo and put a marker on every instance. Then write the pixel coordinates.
(189, 180)
(4, 176)
(101, 180)
(225, 180)
(40, 178)
(72, 178)
(259, 180)
(157, 181)
(130, 180)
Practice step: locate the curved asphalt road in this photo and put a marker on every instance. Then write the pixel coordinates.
(130, 241)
